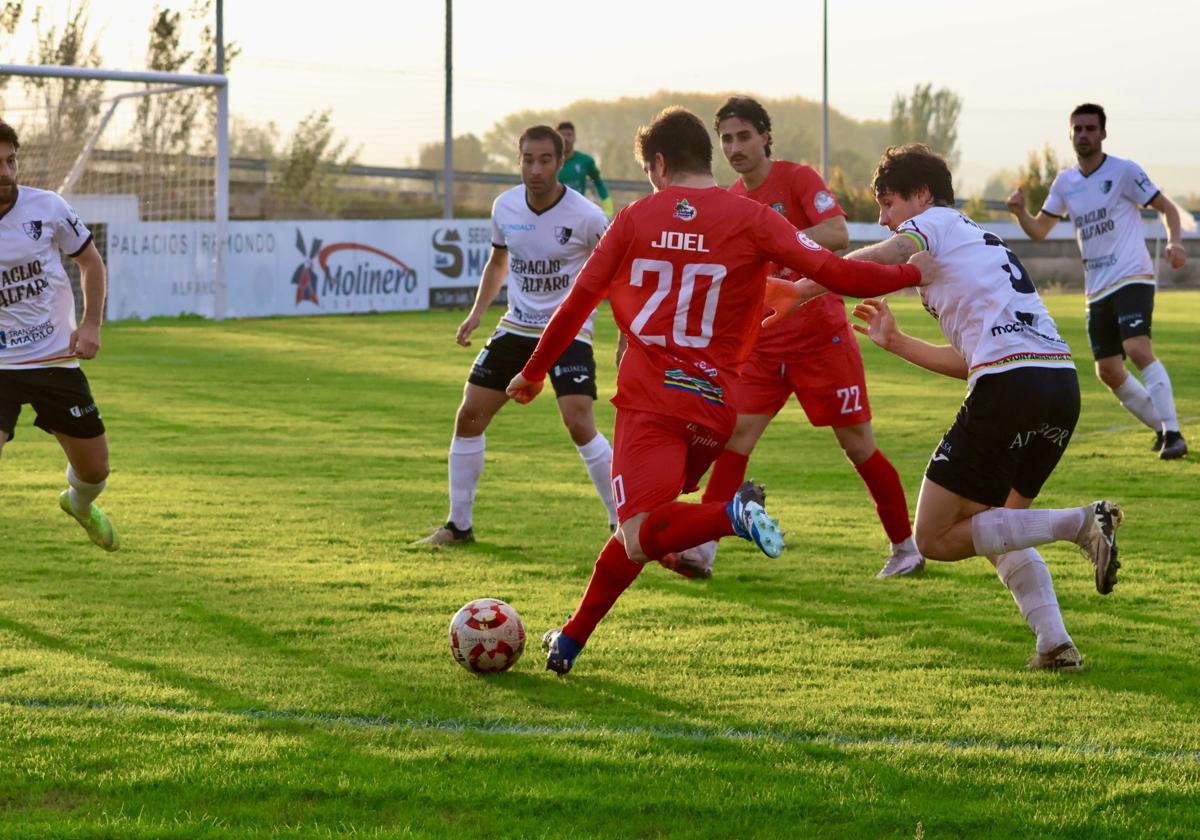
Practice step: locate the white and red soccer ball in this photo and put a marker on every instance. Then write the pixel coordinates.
(487, 636)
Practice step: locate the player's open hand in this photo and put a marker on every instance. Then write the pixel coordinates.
(85, 342)
(926, 264)
(1016, 201)
(465, 329)
(522, 390)
(783, 297)
(880, 322)
(1176, 255)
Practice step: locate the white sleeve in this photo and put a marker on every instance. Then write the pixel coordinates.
(1054, 205)
(925, 229)
(1137, 186)
(71, 235)
(597, 224)
(498, 240)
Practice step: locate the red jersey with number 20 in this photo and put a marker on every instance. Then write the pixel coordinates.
(684, 270)
(798, 192)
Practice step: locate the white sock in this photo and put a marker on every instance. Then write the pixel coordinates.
(597, 455)
(1001, 530)
(1137, 402)
(1159, 386)
(466, 465)
(909, 546)
(82, 493)
(1027, 577)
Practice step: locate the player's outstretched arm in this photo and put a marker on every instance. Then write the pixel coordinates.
(85, 341)
(893, 251)
(879, 325)
(489, 286)
(1035, 227)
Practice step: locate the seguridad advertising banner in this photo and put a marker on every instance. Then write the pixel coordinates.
(293, 268)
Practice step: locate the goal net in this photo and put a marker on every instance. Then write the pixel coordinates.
(137, 158)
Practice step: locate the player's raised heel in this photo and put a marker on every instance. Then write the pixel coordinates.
(1174, 446)
(750, 520)
(98, 528)
(1098, 542)
(561, 651)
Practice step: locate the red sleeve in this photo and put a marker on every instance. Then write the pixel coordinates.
(813, 198)
(590, 287)
(792, 249)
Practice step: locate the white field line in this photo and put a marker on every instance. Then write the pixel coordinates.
(697, 735)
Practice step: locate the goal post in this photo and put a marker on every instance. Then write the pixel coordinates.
(137, 151)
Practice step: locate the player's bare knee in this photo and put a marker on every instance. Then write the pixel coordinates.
(92, 471)
(582, 429)
(470, 423)
(1111, 376)
(930, 542)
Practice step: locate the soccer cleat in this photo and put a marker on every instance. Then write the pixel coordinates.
(1158, 442)
(1097, 539)
(750, 520)
(685, 564)
(1174, 446)
(449, 535)
(561, 651)
(98, 528)
(1065, 657)
(904, 561)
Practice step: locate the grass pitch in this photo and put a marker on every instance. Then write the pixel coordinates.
(266, 656)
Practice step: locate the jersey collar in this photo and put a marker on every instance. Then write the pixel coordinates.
(561, 196)
(1103, 160)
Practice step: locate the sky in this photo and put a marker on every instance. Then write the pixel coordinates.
(1019, 66)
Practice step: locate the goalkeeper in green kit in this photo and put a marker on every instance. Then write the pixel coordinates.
(578, 167)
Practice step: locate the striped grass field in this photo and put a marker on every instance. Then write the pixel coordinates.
(266, 655)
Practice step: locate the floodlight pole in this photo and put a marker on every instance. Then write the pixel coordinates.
(221, 210)
(825, 90)
(448, 138)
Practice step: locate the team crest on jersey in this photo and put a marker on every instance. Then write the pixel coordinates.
(778, 207)
(823, 201)
(684, 211)
(1105, 187)
(806, 242)
(563, 235)
(33, 230)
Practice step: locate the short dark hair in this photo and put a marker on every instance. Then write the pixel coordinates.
(8, 134)
(565, 124)
(680, 137)
(1091, 108)
(542, 132)
(905, 169)
(745, 108)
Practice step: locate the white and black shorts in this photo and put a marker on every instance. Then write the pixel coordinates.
(1125, 313)
(505, 354)
(60, 396)
(1009, 435)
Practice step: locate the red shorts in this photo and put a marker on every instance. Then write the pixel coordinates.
(656, 457)
(831, 385)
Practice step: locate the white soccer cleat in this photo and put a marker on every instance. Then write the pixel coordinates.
(1097, 539)
(905, 560)
(1065, 657)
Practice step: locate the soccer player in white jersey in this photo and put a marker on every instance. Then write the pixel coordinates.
(542, 233)
(1102, 197)
(40, 343)
(1022, 397)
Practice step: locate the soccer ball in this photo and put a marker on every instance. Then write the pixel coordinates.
(487, 636)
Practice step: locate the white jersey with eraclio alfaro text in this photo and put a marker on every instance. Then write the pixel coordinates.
(1105, 208)
(546, 250)
(983, 298)
(37, 305)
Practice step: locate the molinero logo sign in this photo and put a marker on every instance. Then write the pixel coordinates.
(369, 272)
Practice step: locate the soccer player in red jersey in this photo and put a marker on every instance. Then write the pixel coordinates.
(685, 272)
(812, 353)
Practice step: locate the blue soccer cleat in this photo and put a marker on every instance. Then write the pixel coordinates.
(561, 651)
(750, 520)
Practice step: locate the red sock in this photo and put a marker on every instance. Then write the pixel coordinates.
(883, 482)
(677, 526)
(727, 476)
(613, 574)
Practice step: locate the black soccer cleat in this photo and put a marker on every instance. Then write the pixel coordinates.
(1174, 446)
(1158, 442)
(448, 534)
